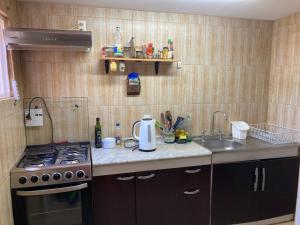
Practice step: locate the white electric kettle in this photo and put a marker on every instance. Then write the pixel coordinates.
(147, 138)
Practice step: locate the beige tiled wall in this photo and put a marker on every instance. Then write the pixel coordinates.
(225, 65)
(12, 136)
(284, 90)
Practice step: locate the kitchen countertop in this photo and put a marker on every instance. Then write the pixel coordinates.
(122, 160)
(255, 149)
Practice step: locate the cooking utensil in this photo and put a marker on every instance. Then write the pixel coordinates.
(169, 119)
(159, 125)
(163, 120)
(178, 122)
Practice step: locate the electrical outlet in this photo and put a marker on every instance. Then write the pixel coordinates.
(81, 24)
(36, 118)
(179, 65)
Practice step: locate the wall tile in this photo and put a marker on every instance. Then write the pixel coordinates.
(118, 14)
(32, 15)
(62, 9)
(90, 11)
(215, 45)
(284, 73)
(192, 42)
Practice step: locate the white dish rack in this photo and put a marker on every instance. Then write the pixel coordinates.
(274, 134)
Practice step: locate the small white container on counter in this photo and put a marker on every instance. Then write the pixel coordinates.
(239, 129)
(109, 142)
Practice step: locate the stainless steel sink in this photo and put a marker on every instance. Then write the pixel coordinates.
(219, 145)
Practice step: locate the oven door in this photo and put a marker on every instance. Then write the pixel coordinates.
(59, 205)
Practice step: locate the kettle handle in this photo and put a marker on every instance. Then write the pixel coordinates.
(133, 130)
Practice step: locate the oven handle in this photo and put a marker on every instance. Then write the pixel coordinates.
(52, 191)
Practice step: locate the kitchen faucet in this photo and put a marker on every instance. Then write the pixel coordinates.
(212, 127)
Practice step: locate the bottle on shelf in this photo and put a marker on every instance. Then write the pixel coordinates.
(98, 134)
(118, 36)
(118, 134)
(118, 52)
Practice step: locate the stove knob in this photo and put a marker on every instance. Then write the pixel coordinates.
(68, 175)
(80, 174)
(22, 180)
(45, 177)
(56, 176)
(34, 179)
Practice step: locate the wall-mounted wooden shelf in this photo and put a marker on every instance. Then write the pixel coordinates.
(155, 61)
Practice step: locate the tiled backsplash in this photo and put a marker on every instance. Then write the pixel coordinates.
(70, 121)
(225, 65)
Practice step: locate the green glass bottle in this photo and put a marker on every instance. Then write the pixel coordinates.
(98, 134)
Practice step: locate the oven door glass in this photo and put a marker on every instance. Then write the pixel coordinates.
(53, 207)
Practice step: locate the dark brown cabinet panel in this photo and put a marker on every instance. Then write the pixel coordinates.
(114, 200)
(234, 193)
(155, 197)
(252, 191)
(278, 187)
(178, 196)
(193, 207)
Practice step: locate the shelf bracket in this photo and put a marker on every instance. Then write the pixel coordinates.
(156, 67)
(106, 65)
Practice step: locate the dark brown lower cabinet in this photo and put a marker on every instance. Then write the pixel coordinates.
(114, 200)
(255, 190)
(233, 193)
(164, 197)
(173, 197)
(278, 189)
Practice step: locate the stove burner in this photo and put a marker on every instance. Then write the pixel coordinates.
(34, 164)
(69, 162)
(73, 153)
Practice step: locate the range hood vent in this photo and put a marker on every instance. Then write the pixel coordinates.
(40, 39)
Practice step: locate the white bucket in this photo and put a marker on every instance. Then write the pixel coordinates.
(239, 129)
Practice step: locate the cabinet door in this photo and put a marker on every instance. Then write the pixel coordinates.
(155, 196)
(278, 186)
(114, 200)
(234, 193)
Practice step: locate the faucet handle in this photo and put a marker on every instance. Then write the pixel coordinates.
(220, 134)
(203, 135)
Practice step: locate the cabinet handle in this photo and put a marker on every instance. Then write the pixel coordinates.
(255, 185)
(263, 184)
(125, 178)
(146, 177)
(191, 192)
(193, 171)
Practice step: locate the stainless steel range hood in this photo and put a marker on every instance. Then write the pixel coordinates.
(40, 39)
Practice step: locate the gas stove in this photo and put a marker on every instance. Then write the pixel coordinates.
(52, 164)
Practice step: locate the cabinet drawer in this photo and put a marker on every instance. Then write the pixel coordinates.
(194, 206)
(195, 176)
(180, 177)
